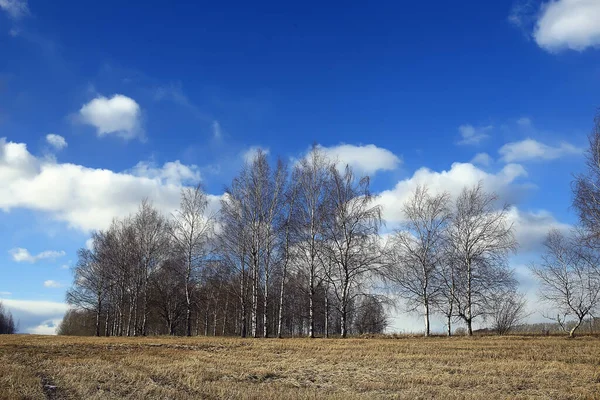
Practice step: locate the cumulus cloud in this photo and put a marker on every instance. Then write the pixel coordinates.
(39, 317)
(365, 159)
(483, 159)
(503, 182)
(471, 135)
(86, 198)
(15, 8)
(568, 24)
(22, 255)
(119, 115)
(56, 141)
(529, 149)
(52, 284)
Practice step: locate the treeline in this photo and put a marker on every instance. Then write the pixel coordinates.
(298, 252)
(7, 323)
(289, 253)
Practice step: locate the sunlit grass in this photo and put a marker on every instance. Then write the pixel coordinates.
(192, 368)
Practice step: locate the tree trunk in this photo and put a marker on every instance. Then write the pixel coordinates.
(311, 309)
(449, 325)
(265, 305)
(427, 331)
(98, 311)
(572, 331)
(326, 315)
(254, 311)
(469, 303)
(281, 292)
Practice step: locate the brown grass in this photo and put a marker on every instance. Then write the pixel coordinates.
(39, 367)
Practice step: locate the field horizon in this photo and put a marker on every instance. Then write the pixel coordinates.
(72, 367)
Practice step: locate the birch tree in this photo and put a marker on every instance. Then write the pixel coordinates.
(418, 252)
(191, 230)
(481, 240)
(569, 278)
(351, 231)
(312, 175)
(91, 286)
(153, 239)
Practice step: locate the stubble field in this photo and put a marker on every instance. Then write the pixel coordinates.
(41, 367)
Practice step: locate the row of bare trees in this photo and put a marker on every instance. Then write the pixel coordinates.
(451, 257)
(288, 254)
(298, 251)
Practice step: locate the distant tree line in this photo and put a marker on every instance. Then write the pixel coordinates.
(298, 251)
(7, 323)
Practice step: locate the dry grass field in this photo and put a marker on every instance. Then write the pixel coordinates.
(40, 367)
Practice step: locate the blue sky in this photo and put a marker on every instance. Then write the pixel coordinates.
(140, 98)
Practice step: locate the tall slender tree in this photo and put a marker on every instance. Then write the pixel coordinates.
(481, 238)
(191, 231)
(418, 252)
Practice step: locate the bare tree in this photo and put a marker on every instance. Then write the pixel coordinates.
(286, 249)
(191, 231)
(7, 323)
(91, 281)
(418, 252)
(481, 240)
(569, 278)
(153, 239)
(446, 277)
(507, 309)
(586, 188)
(311, 174)
(352, 250)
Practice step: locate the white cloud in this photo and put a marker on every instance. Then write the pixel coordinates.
(216, 128)
(5, 294)
(452, 181)
(119, 115)
(15, 8)
(47, 327)
(173, 172)
(473, 135)
(524, 122)
(36, 316)
(531, 228)
(483, 159)
(250, 154)
(86, 198)
(52, 284)
(365, 159)
(89, 244)
(56, 141)
(530, 149)
(568, 24)
(22, 255)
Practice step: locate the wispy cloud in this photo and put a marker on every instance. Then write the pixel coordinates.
(471, 135)
(530, 149)
(15, 8)
(23, 255)
(53, 284)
